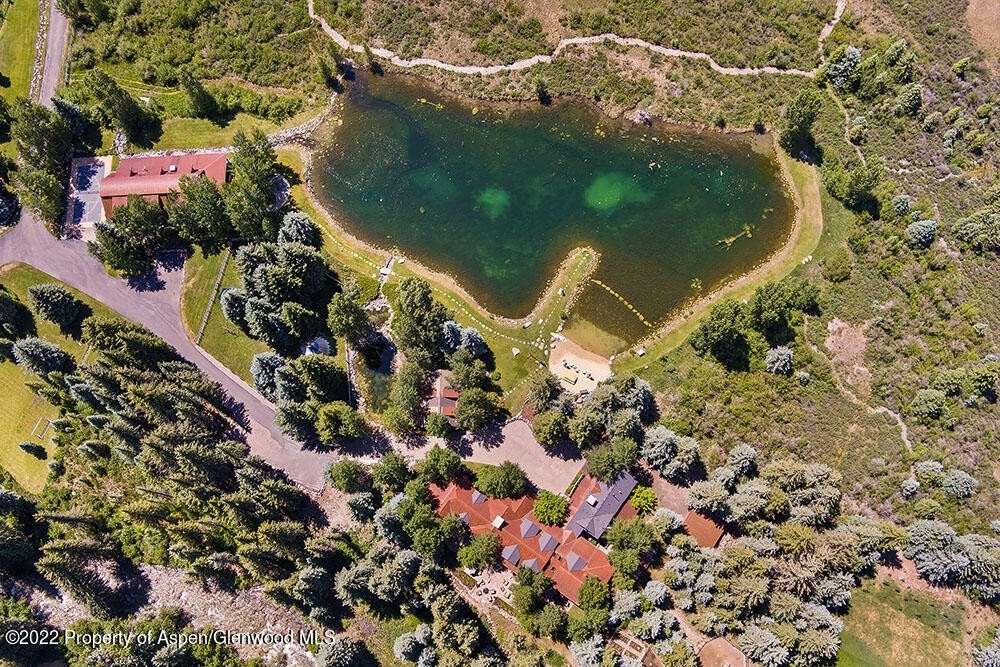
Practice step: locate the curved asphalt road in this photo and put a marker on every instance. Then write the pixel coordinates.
(159, 311)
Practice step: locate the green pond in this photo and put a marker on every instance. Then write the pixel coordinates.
(499, 197)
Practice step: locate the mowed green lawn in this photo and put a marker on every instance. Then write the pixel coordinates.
(17, 52)
(888, 626)
(199, 279)
(17, 47)
(21, 409)
(222, 339)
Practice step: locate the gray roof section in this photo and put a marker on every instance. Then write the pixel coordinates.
(547, 543)
(528, 528)
(595, 519)
(532, 564)
(478, 497)
(512, 554)
(575, 562)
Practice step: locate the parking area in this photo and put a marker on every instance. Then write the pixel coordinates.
(83, 208)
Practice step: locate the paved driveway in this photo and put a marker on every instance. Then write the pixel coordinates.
(159, 311)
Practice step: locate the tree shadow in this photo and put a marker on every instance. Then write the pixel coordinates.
(733, 353)
(459, 443)
(74, 329)
(489, 437)
(149, 282)
(131, 591)
(4, 80)
(172, 260)
(288, 174)
(566, 450)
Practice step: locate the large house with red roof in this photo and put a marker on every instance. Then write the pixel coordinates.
(156, 177)
(564, 554)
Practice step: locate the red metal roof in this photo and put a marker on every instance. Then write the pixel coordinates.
(704, 530)
(158, 176)
(566, 559)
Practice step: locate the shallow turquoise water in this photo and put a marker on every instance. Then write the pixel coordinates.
(498, 198)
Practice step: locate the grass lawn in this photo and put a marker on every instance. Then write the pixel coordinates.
(888, 625)
(21, 409)
(199, 279)
(202, 133)
(222, 339)
(17, 51)
(17, 47)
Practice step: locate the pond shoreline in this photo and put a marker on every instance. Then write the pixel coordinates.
(463, 299)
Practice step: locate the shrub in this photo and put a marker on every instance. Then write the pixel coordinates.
(837, 267)
(950, 381)
(921, 233)
(928, 404)
(909, 100)
(959, 483)
(778, 360)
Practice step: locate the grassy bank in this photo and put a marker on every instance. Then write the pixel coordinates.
(221, 339)
(17, 47)
(21, 410)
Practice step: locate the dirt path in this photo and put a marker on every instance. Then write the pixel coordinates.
(853, 398)
(526, 63)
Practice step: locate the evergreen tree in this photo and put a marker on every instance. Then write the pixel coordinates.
(796, 129)
(39, 356)
(118, 106)
(200, 103)
(297, 227)
(248, 194)
(130, 240)
(56, 304)
(198, 214)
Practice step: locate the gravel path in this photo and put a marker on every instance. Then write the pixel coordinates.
(526, 63)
